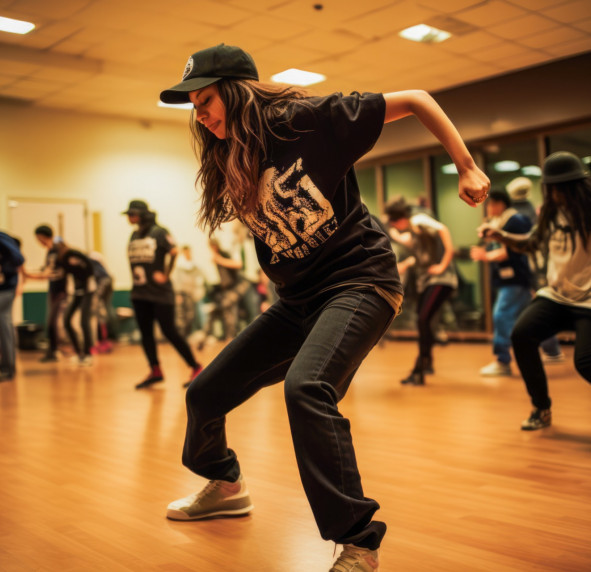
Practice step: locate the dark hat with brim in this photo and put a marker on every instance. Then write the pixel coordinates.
(136, 207)
(209, 66)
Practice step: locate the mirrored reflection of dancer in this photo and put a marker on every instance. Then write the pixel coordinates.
(432, 250)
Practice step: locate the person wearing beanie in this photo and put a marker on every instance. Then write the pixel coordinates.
(282, 161)
(511, 278)
(564, 226)
(519, 190)
(152, 252)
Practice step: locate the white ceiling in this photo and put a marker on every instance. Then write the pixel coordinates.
(115, 56)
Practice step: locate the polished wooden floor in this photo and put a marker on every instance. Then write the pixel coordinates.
(88, 465)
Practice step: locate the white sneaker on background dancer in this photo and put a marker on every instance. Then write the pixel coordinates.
(495, 368)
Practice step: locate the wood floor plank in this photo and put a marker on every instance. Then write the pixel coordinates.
(88, 465)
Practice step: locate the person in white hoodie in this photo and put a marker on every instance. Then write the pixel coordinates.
(565, 303)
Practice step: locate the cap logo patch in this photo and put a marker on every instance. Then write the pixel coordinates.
(188, 67)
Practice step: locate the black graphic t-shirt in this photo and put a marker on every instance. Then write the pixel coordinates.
(312, 232)
(147, 253)
(57, 273)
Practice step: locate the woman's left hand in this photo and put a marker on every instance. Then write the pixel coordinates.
(473, 186)
(436, 269)
(159, 277)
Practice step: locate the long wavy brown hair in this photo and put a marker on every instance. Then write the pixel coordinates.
(576, 208)
(230, 168)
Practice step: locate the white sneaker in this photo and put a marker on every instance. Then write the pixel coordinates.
(85, 361)
(356, 559)
(559, 358)
(218, 498)
(496, 368)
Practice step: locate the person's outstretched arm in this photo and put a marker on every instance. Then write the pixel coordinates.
(473, 184)
(527, 242)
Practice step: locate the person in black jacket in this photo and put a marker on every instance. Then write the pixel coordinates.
(77, 265)
(11, 261)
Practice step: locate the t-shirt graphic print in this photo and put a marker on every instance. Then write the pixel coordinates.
(147, 253)
(293, 217)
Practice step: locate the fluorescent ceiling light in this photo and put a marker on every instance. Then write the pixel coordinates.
(15, 26)
(424, 33)
(298, 77)
(449, 169)
(506, 166)
(532, 171)
(176, 105)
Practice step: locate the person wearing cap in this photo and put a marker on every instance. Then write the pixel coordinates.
(511, 278)
(282, 163)
(54, 272)
(519, 190)
(565, 302)
(152, 252)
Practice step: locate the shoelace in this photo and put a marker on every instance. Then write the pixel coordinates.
(208, 489)
(347, 560)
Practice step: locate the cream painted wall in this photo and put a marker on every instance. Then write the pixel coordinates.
(48, 154)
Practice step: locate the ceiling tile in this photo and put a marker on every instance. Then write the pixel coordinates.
(491, 13)
(584, 25)
(450, 6)
(43, 9)
(558, 35)
(270, 28)
(389, 21)
(570, 11)
(328, 42)
(91, 51)
(569, 48)
(466, 44)
(520, 27)
(333, 13)
(499, 52)
(533, 5)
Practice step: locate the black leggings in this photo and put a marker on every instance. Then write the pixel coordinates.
(540, 320)
(430, 301)
(84, 302)
(146, 313)
(55, 305)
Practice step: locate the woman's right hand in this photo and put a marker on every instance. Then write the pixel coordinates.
(473, 186)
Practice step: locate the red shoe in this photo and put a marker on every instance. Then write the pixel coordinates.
(105, 347)
(196, 371)
(154, 377)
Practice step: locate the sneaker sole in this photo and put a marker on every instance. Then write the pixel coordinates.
(174, 514)
(535, 428)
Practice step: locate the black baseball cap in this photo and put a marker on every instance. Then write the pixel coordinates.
(136, 207)
(208, 66)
